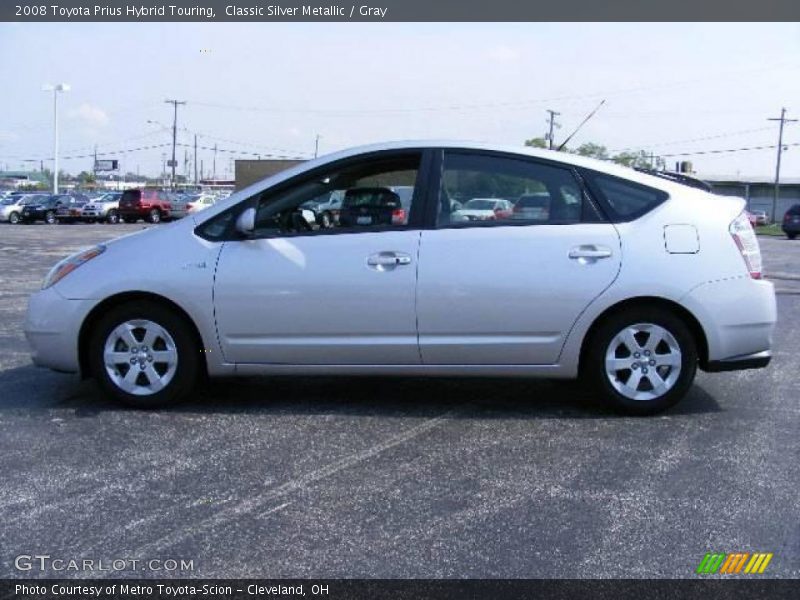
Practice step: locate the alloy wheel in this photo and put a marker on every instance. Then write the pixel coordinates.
(643, 361)
(140, 357)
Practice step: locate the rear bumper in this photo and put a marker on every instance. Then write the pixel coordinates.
(738, 318)
(759, 360)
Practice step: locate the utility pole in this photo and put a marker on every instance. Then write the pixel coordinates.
(173, 162)
(195, 159)
(553, 124)
(214, 166)
(316, 146)
(61, 87)
(776, 194)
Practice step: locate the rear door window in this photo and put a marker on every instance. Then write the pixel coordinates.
(624, 200)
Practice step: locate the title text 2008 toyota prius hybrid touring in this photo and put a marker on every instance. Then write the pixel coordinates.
(437, 259)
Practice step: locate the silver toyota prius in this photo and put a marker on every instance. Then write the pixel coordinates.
(627, 280)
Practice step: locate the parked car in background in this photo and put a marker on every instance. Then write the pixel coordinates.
(535, 207)
(485, 209)
(104, 208)
(11, 207)
(326, 208)
(791, 222)
(197, 203)
(41, 208)
(760, 216)
(648, 282)
(153, 206)
(70, 208)
(368, 206)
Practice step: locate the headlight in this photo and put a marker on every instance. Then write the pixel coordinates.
(69, 264)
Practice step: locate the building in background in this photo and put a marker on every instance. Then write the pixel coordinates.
(759, 192)
(248, 172)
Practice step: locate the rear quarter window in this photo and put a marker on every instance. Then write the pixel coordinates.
(623, 200)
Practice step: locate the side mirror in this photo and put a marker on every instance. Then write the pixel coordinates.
(246, 222)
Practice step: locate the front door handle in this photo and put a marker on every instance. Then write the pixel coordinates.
(386, 261)
(589, 253)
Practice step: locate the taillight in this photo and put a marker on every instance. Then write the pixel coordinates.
(399, 216)
(745, 238)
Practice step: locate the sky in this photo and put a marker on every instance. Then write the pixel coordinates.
(270, 89)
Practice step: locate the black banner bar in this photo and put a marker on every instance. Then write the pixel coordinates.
(399, 10)
(355, 589)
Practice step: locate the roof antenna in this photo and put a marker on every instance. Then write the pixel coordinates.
(589, 116)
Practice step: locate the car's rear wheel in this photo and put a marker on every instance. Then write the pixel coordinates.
(154, 216)
(642, 361)
(13, 218)
(144, 355)
(50, 217)
(326, 220)
(112, 217)
(791, 236)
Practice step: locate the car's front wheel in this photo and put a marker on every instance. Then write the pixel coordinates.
(112, 218)
(642, 361)
(154, 216)
(50, 217)
(13, 218)
(144, 355)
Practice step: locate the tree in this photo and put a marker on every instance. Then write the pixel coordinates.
(536, 143)
(593, 150)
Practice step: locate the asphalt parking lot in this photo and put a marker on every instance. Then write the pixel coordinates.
(394, 478)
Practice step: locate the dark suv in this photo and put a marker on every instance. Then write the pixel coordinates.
(151, 205)
(791, 222)
(43, 208)
(368, 207)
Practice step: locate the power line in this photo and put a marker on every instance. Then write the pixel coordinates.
(726, 150)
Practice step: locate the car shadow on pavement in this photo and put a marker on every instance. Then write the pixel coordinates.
(38, 389)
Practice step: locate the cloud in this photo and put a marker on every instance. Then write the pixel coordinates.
(503, 54)
(7, 136)
(91, 116)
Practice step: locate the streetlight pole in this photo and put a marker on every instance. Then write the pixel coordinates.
(61, 87)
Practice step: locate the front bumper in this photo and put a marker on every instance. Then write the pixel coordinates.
(51, 327)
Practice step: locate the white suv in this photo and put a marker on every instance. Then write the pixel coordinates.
(629, 280)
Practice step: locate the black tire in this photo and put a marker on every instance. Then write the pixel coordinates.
(154, 216)
(188, 369)
(13, 218)
(593, 367)
(112, 218)
(326, 220)
(791, 236)
(130, 219)
(50, 217)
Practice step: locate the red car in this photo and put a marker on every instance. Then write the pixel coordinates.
(150, 205)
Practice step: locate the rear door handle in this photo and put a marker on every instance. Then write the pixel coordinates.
(386, 261)
(589, 253)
